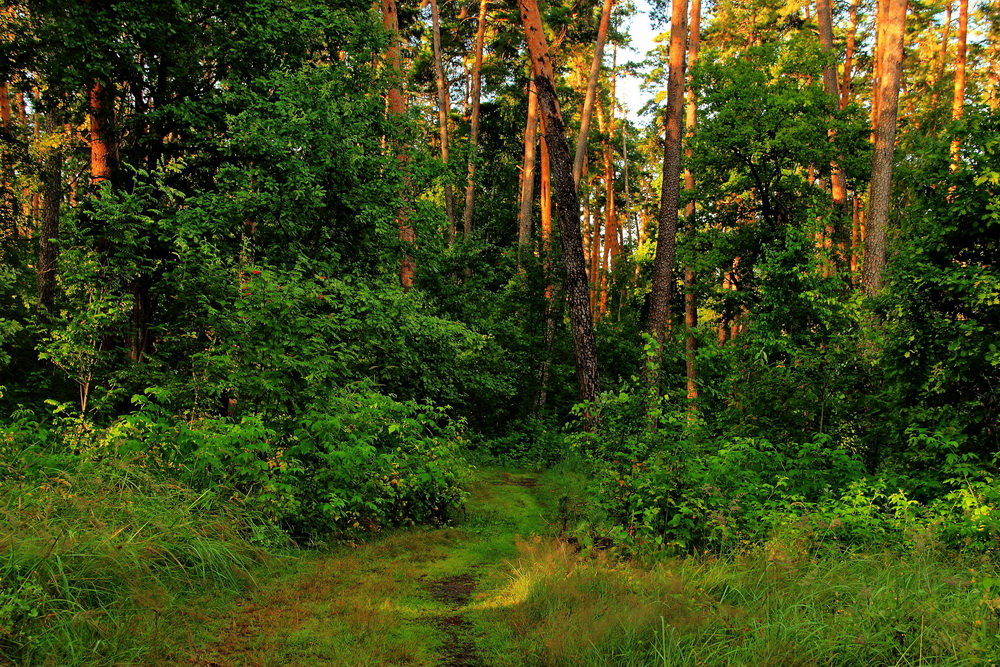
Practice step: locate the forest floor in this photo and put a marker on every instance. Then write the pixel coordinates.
(502, 589)
(415, 597)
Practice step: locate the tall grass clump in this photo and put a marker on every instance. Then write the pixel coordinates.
(767, 606)
(94, 555)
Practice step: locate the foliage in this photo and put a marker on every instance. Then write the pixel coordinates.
(360, 461)
(941, 352)
(680, 488)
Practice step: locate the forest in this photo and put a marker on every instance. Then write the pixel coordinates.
(489, 332)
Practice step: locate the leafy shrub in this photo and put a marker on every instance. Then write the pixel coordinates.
(682, 488)
(367, 460)
(359, 459)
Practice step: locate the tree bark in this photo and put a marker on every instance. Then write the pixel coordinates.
(610, 212)
(588, 101)
(545, 185)
(958, 98)
(666, 241)
(397, 107)
(838, 186)
(846, 84)
(8, 202)
(48, 250)
(444, 107)
(880, 6)
(567, 204)
(943, 52)
(528, 172)
(103, 145)
(889, 70)
(690, 280)
(477, 83)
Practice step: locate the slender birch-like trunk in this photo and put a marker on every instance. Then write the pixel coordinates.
(588, 102)
(444, 107)
(477, 84)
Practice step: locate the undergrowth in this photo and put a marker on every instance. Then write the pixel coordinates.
(94, 556)
(767, 606)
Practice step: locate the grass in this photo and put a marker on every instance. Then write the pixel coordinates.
(562, 608)
(94, 561)
(373, 603)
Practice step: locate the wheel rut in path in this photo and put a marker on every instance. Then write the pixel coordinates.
(455, 591)
(408, 597)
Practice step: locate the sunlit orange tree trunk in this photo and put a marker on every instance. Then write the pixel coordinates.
(886, 100)
(8, 202)
(958, 98)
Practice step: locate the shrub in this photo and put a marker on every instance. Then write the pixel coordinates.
(358, 460)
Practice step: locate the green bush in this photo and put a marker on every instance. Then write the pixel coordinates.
(682, 488)
(359, 459)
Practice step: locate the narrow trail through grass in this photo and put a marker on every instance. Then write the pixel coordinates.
(415, 597)
(501, 590)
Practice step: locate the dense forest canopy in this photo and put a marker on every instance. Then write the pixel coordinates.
(311, 258)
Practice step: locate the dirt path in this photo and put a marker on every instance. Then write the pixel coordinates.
(415, 597)
(458, 649)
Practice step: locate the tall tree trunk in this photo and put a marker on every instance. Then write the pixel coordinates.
(943, 52)
(444, 107)
(528, 173)
(889, 70)
(612, 229)
(567, 204)
(545, 196)
(477, 84)
(855, 239)
(958, 98)
(666, 240)
(551, 311)
(591, 95)
(824, 19)
(880, 7)
(838, 184)
(103, 145)
(691, 121)
(24, 123)
(8, 202)
(610, 212)
(48, 249)
(593, 223)
(397, 107)
(846, 82)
